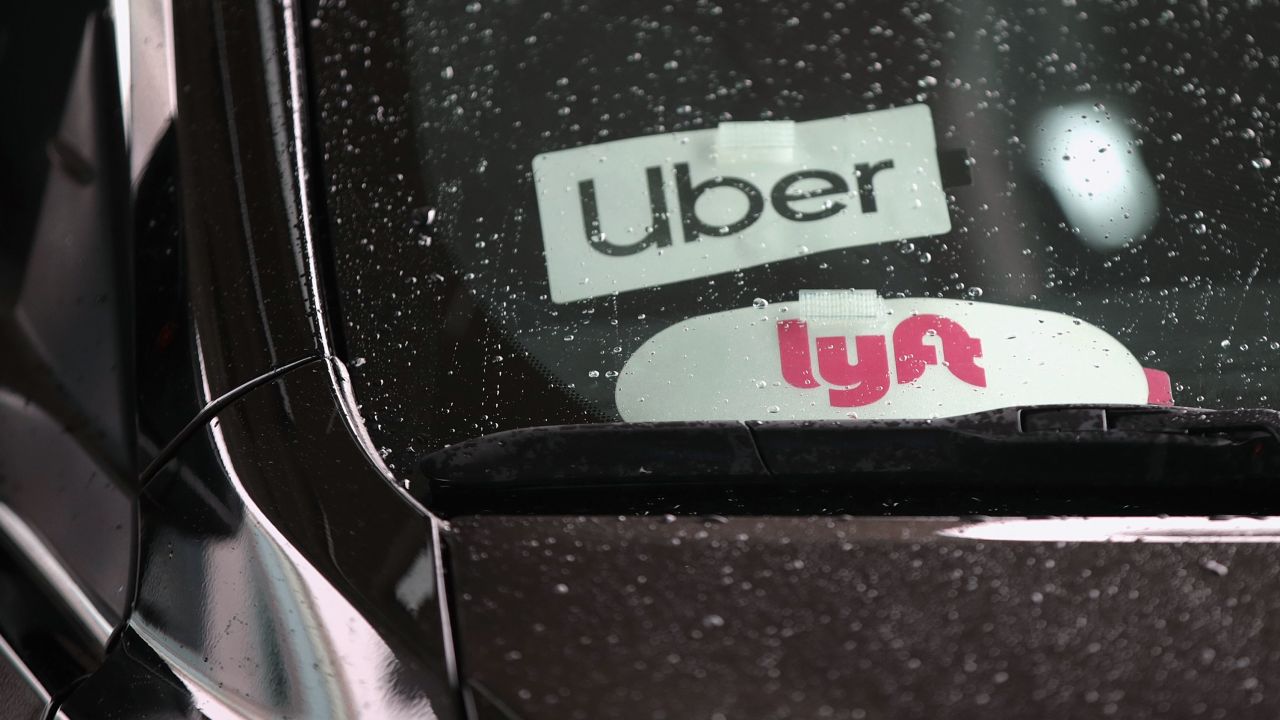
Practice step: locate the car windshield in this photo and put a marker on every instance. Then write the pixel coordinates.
(601, 211)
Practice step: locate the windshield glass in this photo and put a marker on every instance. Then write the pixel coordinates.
(604, 211)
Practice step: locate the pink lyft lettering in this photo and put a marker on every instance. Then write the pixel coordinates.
(867, 379)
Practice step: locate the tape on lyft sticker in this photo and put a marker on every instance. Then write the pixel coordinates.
(842, 354)
(649, 211)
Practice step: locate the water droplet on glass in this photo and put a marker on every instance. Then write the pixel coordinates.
(759, 303)
(1215, 567)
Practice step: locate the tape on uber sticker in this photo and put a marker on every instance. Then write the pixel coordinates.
(824, 358)
(649, 211)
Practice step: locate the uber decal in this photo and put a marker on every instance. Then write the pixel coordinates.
(649, 211)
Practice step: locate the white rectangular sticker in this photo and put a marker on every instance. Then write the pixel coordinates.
(649, 211)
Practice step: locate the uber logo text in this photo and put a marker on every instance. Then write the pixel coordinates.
(650, 211)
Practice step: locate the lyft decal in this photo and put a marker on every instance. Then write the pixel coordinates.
(654, 210)
(821, 357)
(866, 380)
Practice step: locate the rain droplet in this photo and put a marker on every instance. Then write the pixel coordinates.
(1215, 567)
(759, 303)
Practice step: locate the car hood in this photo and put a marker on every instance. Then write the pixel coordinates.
(845, 617)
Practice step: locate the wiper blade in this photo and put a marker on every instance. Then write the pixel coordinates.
(1042, 460)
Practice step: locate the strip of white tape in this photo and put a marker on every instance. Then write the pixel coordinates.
(841, 304)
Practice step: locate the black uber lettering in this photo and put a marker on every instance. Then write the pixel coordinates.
(866, 174)
(660, 229)
(688, 193)
(782, 197)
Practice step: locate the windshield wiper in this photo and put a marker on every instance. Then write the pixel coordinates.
(1036, 460)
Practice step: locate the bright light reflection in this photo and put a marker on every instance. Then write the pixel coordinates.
(1122, 529)
(1090, 161)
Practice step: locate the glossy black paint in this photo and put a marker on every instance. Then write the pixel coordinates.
(67, 543)
(282, 575)
(67, 520)
(279, 569)
(39, 51)
(225, 204)
(24, 695)
(169, 393)
(276, 556)
(134, 683)
(595, 618)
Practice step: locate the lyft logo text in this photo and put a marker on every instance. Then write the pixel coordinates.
(866, 379)
(836, 354)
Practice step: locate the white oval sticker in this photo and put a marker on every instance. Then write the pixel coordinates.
(876, 359)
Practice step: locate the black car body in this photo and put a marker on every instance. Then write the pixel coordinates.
(199, 522)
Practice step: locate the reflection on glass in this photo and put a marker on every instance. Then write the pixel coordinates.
(1089, 159)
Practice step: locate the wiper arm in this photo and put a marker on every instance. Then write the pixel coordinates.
(1040, 460)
